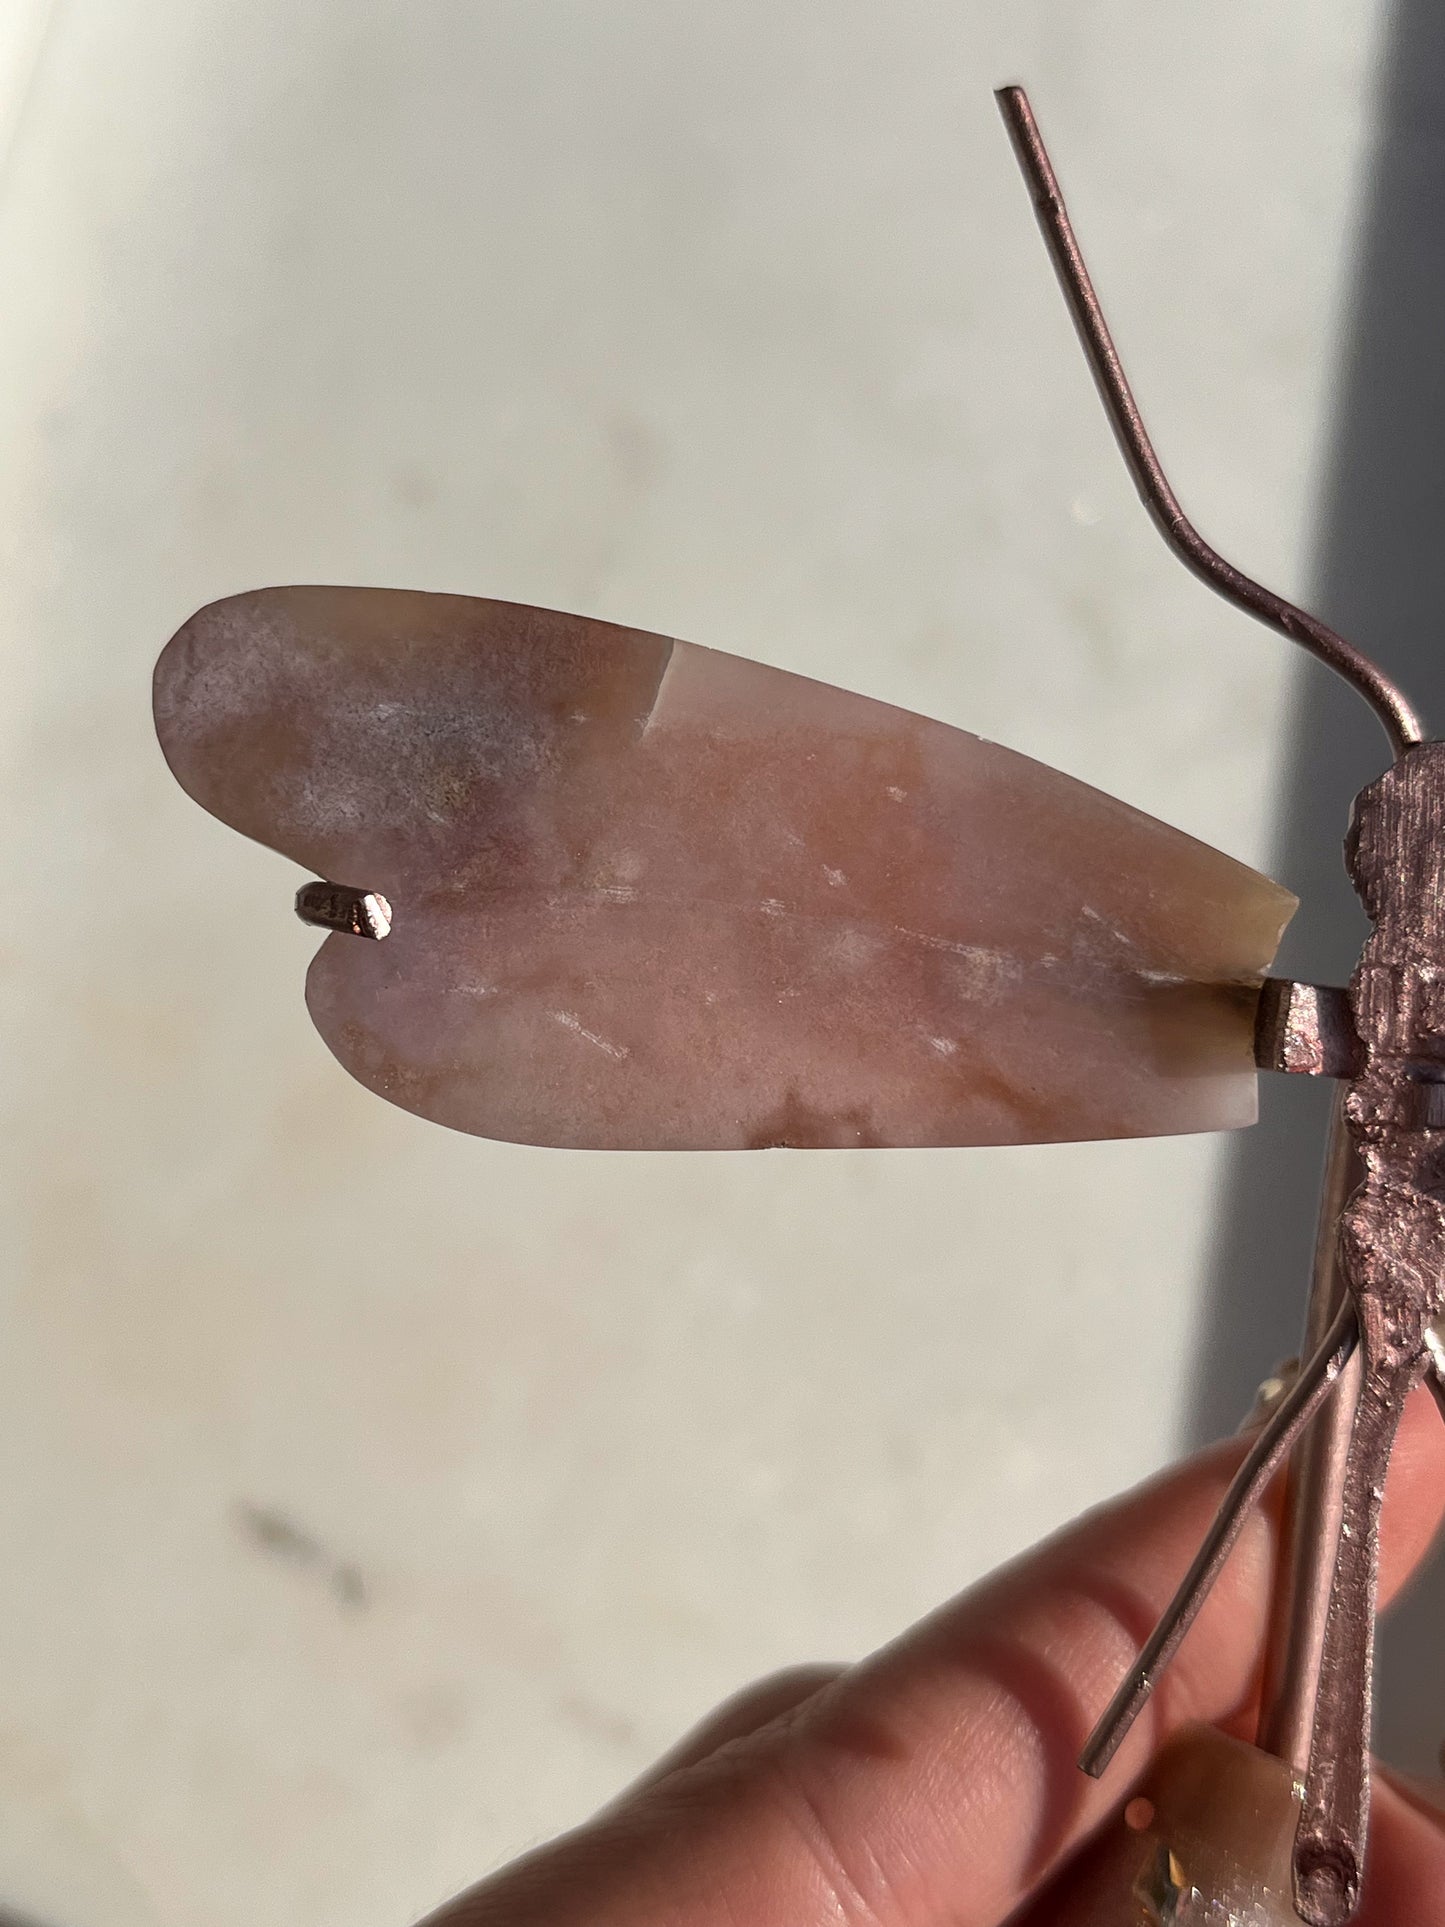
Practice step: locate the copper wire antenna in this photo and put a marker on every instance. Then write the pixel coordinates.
(1401, 723)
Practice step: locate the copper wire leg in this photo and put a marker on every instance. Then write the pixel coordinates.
(1265, 1457)
(1314, 1495)
(1389, 704)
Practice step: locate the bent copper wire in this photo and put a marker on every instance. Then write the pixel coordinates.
(1389, 704)
(1265, 1457)
(1382, 1251)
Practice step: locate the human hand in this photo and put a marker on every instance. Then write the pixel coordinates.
(934, 1783)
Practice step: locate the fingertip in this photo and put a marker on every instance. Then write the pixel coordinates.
(1405, 1873)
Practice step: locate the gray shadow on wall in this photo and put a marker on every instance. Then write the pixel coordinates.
(1379, 577)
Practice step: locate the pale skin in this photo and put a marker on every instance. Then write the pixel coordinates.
(932, 1784)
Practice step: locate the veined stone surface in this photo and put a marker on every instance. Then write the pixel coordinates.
(651, 896)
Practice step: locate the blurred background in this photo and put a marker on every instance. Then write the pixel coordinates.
(374, 1501)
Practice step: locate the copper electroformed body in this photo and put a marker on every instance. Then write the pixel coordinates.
(1380, 1267)
(1379, 1282)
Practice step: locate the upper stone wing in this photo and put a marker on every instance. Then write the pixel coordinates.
(646, 895)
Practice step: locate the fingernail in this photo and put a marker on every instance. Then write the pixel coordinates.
(1267, 1398)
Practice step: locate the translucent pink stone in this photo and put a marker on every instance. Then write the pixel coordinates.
(648, 895)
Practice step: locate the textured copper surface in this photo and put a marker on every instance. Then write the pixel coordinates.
(1381, 1267)
(1306, 1030)
(1392, 1250)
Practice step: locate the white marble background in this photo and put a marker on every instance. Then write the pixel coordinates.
(373, 1501)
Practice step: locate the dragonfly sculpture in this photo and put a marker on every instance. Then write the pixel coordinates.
(636, 894)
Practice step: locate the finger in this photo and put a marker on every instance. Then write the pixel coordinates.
(1415, 1495)
(956, 1747)
(755, 1706)
(1405, 1873)
(936, 1780)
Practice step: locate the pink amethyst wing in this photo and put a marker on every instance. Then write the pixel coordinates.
(650, 896)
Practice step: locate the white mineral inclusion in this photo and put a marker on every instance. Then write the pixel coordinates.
(713, 905)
